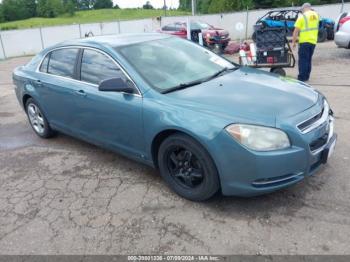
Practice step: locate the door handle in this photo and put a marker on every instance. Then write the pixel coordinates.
(80, 93)
(38, 83)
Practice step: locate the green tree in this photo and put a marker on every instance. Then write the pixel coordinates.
(50, 8)
(116, 6)
(69, 7)
(2, 18)
(42, 8)
(276, 3)
(102, 4)
(85, 4)
(30, 6)
(185, 5)
(147, 5)
(217, 6)
(244, 4)
(17, 9)
(203, 6)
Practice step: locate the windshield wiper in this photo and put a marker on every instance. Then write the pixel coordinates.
(197, 82)
(225, 69)
(183, 86)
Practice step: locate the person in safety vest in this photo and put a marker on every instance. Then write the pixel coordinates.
(306, 27)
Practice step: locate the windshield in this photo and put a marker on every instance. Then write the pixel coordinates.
(172, 62)
(200, 25)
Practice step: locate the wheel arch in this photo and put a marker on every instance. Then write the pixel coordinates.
(162, 135)
(33, 96)
(25, 99)
(158, 140)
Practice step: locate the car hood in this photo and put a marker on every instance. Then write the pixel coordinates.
(248, 95)
(328, 20)
(216, 31)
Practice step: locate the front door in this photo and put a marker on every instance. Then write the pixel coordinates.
(109, 118)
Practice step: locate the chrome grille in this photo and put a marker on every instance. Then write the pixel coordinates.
(319, 143)
(309, 122)
(316, 120)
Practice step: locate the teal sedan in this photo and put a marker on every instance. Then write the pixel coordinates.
(205, 123)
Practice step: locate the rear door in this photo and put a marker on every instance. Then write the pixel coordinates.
(109, 118)
(56, 86)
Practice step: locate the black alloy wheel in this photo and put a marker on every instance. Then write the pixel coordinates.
(184, 167)
(188, 168)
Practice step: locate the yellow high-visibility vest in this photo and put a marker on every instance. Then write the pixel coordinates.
(308, 23)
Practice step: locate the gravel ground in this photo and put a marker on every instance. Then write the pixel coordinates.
(63, 196)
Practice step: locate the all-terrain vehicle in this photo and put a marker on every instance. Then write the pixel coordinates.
(287, 17)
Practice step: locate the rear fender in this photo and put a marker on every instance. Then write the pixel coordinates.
(25, 85)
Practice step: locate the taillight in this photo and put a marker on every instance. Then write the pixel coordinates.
(183, 31)
(343, 20)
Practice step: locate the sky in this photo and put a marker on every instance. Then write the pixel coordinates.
(140, 3)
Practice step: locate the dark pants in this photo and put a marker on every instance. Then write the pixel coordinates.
(306, 51)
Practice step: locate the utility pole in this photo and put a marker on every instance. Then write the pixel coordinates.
(193, 7)
(165, 7)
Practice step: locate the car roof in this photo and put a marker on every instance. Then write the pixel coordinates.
(115, 40)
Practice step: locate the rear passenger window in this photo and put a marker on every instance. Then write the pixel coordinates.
(62, 62)
(96, 67)
(44, 64)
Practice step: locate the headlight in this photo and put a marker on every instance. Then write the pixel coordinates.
(259, 138)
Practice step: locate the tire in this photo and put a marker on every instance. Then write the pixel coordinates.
(188, 168)
(330, 34)
(37, 119)
(278, 70)
(322, 36)
(215, 48)
(254, 37)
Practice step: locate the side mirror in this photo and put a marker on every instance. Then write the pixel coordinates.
(115, 85)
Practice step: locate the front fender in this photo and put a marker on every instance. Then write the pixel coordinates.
(160, 117)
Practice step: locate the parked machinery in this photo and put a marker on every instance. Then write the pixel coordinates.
(286, 18)
(272, 50)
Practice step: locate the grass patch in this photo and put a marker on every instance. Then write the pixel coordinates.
(89, 16)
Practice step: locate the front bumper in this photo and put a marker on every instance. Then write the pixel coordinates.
(245, 172)
(218, 40)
